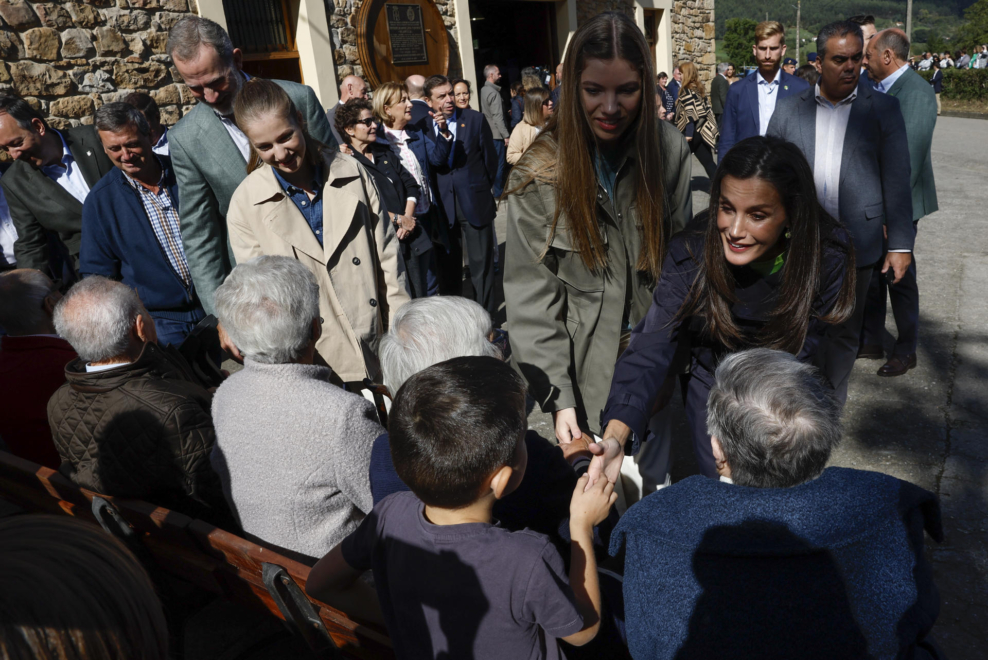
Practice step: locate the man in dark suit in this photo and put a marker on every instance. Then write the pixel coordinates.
(47, 185)
(855, 140)
(752, 100)
(352, 87)
(937, 83)
(677, 81)
(421, 110)
(887, 61)
(718, 91)
(465, 190)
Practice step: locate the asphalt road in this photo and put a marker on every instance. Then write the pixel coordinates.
(930, 426)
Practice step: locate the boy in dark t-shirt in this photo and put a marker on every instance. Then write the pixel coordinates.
(451, 582)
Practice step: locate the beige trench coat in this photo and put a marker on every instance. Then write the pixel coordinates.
(356, 267)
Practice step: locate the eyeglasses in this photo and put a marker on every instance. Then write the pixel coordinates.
(370, 121)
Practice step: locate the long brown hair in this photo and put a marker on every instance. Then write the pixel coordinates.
(691, 79)
(811, 232)
(257, 99)
(563, 154)
(533, 106)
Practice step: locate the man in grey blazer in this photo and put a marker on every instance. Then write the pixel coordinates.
(887, 61)
(209, 153)
(352, 87)
(718, 90)
(855, 140)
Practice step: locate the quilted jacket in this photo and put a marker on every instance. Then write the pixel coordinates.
(141, 430)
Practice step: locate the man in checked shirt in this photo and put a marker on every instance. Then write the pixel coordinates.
(130, 225)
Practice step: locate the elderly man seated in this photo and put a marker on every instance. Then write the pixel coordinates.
(781, 558)
(292, 449)
(32, 364)
(131, 420)
(427, 331)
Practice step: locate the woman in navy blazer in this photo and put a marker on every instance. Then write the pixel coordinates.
(765, 266)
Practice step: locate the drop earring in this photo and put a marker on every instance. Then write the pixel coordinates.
(788, 233)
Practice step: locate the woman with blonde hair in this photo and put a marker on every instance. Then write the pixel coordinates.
(538, 109)
(310, 203)
(418, 153)
(695, 118)
(70, 590)
(591, 206)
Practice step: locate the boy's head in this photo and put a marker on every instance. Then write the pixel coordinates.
(457, 430)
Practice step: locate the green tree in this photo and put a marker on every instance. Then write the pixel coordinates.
(974, 31)
(739, 37)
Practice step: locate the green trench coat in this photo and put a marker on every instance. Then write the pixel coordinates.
(564, 322)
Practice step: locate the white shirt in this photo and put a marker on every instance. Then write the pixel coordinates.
(8, 234)
(399, 143)
(884, 86)
(238, 136)
(768, 94)
(68, 175)
(161, 146)
(924, 65)
(103, 367)
(831, 126)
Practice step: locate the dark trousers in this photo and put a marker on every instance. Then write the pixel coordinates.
(173, 327)
(479, 245)
(839, 349)
(702, 152)
(905, 309)
(501, 150)
(417, 270)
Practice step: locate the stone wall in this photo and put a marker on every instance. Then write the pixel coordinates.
(68, 58)
(693, 36)
(342, 16)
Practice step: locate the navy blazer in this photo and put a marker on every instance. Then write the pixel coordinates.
(740, 118)
(470, 178)
(118, 242)
(874, 171)
(642, 368)
(717, 570)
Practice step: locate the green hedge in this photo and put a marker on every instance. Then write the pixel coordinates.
(963, 84)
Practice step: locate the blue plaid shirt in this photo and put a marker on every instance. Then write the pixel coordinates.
(162, 212)
(311, 208)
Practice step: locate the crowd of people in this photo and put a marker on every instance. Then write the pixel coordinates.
(328, 250)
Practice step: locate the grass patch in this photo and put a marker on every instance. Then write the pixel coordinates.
(980, 107)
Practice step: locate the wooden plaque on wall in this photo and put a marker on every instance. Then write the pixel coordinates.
(399, 38)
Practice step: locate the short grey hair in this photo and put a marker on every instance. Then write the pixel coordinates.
(836, 29)
(96, 317)
(113, 117)
(776, 420)
(189, 33)
(427, 331)
(22, 301)
(723, 67)
(895, 41)
(267, 305)
(489, 69)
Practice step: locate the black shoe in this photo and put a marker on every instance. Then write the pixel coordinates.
(897, 366)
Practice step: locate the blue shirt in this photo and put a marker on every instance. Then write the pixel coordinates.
(767, 96)
(311, 209)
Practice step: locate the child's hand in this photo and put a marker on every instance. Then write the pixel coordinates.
(589, 506)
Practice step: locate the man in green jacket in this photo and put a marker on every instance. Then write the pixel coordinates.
(209, 153)
(887, 61)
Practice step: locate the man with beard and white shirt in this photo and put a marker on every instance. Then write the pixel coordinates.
(209, 153)
(751, 102)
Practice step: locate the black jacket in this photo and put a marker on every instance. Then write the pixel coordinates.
(395, 185)
(468, 180)
(38, 205)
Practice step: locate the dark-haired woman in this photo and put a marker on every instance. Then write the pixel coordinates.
(765, 266)
(591, 205)
(357, 125)
(517, 102)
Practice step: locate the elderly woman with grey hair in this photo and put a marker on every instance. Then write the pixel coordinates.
(781, 557)
(292, 450)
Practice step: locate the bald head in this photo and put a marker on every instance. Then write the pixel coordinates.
(415, 84)
(886, 53)
(27, 298)
(352, 87)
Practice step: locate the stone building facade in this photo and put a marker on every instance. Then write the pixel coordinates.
(693, 35)
(68, 58)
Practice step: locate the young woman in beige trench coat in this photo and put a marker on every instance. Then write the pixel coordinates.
(354, 255)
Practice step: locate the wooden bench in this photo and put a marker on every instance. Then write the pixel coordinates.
(199, 553)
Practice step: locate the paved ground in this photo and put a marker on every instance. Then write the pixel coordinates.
(929, 427)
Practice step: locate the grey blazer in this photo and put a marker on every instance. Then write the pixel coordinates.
(874, 171)
(209, 167)
(331, 118)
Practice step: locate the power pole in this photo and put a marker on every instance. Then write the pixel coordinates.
(909, 20)
(799, 6)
